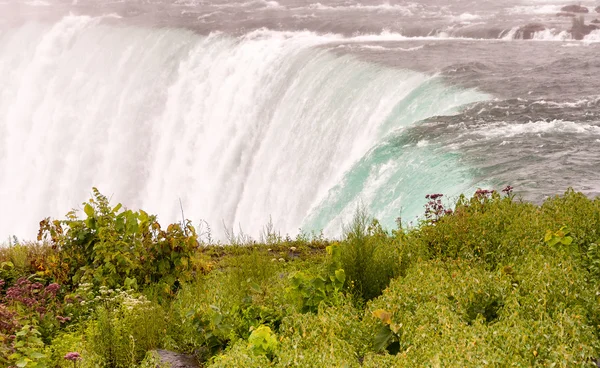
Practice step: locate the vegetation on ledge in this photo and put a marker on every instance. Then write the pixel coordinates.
(493, 281)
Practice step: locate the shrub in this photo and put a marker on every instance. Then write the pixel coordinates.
(217, 310)
(311, 290)
(334, 337)
(116, 247)
(263, 341)
(28, 302)
(125, 327)
(370, 257)
(247, 273)
(25, 349)
(240, 355)
(27, 259)
(65, 342)
(487, 227)
(454, 313)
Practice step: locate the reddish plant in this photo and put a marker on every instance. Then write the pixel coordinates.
(434, 209)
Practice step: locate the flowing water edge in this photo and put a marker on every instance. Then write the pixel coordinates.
(292, 110)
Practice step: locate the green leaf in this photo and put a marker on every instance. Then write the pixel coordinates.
(37, 355)
(22, 362)
(340, 275)
(383, 337)
(117, 208)
(89, 210)
(254, 287)
(567, 240)
(548, 236)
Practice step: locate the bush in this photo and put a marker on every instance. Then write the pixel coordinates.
(125, 327)
(240, 355)
(116, 247)
(457, 312)
(310, 291)
(487, 228)
(334, 337)
(371, 257)
(493, 282)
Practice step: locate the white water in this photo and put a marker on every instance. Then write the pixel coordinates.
(238, 129)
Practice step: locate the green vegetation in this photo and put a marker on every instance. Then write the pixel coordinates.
(492, 281)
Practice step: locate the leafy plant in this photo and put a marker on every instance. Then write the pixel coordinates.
(370, 257)
(313, 290)
(263, 341)
(559, 237)
(118, 247)
(125, 327)
(213, 329)
(27, 347)
(388, 336)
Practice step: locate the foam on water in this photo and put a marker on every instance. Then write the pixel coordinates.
(509, 130)
(240, 129)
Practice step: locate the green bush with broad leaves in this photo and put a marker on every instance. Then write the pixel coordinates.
(26, 349)
(454, 313)
(312, 290)
(118, 247)
(263, 341)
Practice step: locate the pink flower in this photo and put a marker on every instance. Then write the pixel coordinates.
(73, 356)
(53, 288)
(62, 319)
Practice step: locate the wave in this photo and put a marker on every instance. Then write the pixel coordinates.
(509, 130)
(535, 9)
(404, 10)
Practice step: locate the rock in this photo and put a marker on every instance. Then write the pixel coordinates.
(526, 32)
(176, 360)
(598, 9)
(579, 29)
(595, 21)
(575, 9)
(565, 14)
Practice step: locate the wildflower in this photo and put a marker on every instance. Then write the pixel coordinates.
(281, 260)
(62, 319)
(483, 192)
(73, 356)
(52, 288)
(293, 249)
(508, 189)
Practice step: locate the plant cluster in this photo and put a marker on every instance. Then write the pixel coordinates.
(120, 248)
(489, 281)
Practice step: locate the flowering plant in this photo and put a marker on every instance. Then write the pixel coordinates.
(74, 357)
